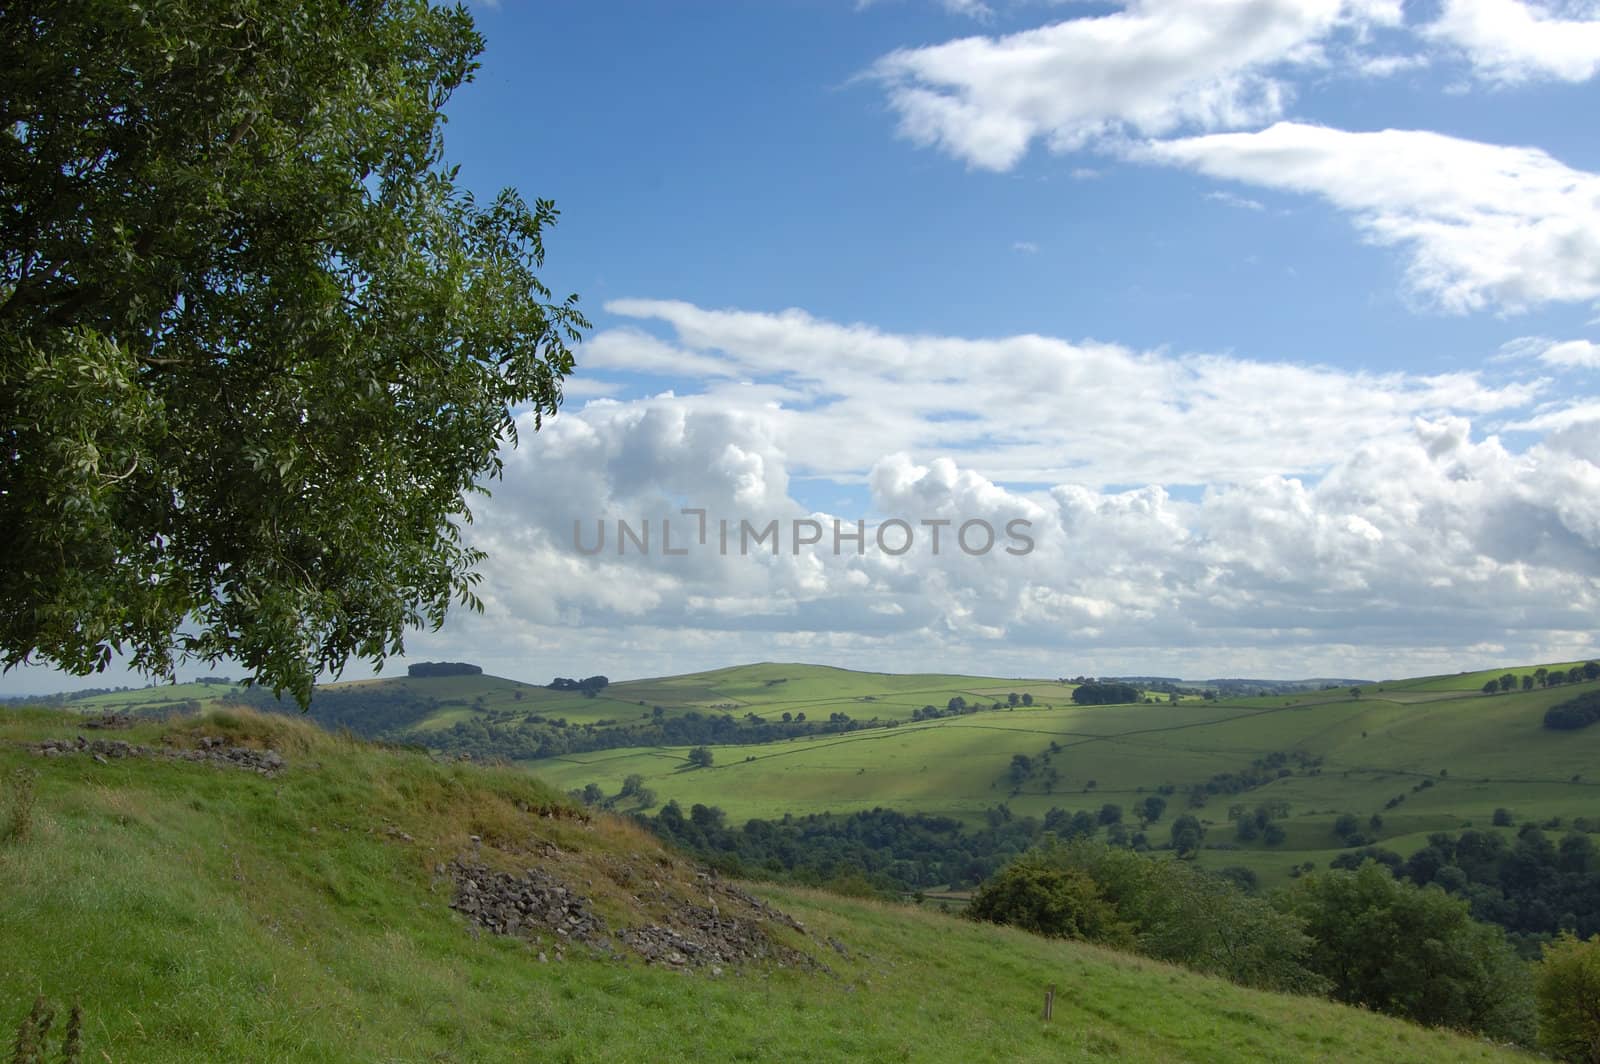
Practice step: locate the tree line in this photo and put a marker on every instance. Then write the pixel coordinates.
(1358, 936)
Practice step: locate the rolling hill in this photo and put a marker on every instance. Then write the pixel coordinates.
(203, 902)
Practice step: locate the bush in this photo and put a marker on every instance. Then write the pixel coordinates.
(1568, 993)
(1055, 902)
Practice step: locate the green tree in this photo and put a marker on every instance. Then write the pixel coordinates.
(1187, 832)
(256, 343)
(1568, 992)
(1057, 902)
(700, 757)
(1414, 952)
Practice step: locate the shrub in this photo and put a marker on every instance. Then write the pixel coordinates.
(1568, 994)
(1056, 902)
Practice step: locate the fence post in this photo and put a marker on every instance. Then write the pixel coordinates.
(1050, 1001)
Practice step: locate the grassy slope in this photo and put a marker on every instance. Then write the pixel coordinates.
(1494, 750)
(205, 914)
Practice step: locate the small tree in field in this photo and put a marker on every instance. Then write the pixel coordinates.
(700, 757)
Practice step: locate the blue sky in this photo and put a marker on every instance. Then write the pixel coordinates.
(1278, 319)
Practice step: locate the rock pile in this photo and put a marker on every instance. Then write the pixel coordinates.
(110, 720)
(688, 935)
(212, 748)
(509, 905)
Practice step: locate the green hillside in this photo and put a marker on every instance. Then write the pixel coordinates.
(1451, 758)
(203, 911)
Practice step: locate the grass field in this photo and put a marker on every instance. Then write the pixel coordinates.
(767, 690)
(1479, 753)
(202, 913)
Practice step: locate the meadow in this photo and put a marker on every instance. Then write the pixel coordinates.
(203, 913)
(1451, 754)
(1425, 755)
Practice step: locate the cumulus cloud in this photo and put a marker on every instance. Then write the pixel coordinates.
(1347, 523)
(1483, 225)
(835, 398)
(1153, 67)
(1427, 540)
(1510, 41)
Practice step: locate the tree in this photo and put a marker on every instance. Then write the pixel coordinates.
(1187, 832)
(1567, 989)
(1414, 952)
(1056, 902)
(1508, 681)
(700, 757)
(256, 344)
(1151, 808)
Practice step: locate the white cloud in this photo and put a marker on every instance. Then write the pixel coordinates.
(1231, 200)
(1348, 523)
(974, 9)
(1510, 41)
(1027, 247)
(970, 8)
(1153, 67)
(1406, 548)
(1029, 408)
(1484, 225)
(1383, 66)
(1584, 354)
(1346, 520)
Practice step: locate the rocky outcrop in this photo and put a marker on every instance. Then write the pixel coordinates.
(212, 748)
(730, 929)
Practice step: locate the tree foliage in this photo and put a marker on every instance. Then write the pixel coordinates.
(1412, 952)
(1574, 713)
(1568, 992)
(1104, 694)
(1170, 910)
(256, 342)
(1056, 902)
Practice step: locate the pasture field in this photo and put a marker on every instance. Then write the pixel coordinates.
(1440, 762)
(202, 913)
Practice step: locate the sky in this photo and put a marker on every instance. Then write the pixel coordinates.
(1276, 322)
